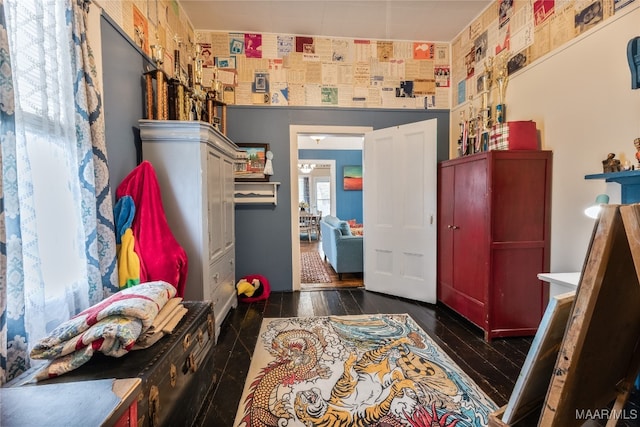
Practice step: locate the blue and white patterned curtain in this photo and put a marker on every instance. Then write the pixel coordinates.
(94, 171)
(53, 144)
(7, 131)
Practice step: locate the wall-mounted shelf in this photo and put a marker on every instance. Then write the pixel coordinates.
(629, 184)
(256, 193)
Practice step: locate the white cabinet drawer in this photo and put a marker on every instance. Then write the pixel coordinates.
(222, 269)
(222, 287)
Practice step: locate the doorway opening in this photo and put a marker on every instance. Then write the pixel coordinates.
(324, 141)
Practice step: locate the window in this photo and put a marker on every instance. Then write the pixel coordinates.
(323, 195)
(303, 190)
(47, 158)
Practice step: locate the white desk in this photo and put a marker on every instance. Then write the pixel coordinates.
(560, 283)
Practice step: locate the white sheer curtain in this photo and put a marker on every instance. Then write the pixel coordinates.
(46, 244)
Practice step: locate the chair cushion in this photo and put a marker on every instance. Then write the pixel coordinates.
(344, 228)
(331, 220)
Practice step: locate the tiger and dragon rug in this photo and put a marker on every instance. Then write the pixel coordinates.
(368, 370)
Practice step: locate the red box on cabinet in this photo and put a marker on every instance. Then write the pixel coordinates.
(519, 135)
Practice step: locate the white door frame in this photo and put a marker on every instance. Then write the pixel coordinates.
(294, 130)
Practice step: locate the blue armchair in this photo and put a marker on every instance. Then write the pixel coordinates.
(343, 250)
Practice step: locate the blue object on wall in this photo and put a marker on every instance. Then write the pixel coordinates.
(633, 56)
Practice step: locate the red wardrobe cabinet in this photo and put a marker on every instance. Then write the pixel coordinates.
(494, 223)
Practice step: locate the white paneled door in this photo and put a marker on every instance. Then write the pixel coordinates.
(400, 198)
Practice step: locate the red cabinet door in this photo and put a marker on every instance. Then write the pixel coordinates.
(463, 238)
(445, 234)
(470, 237)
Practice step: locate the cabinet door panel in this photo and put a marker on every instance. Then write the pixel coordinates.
(227, 204)
(471, 242)
(445, 232)
(519, 189)
(214, 204)
(517, 304)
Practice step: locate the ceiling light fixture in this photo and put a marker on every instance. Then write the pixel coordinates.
(317, 138)
(306, 167)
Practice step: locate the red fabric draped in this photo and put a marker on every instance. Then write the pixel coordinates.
(161, 256)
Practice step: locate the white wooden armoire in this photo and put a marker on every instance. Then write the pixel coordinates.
(194, 164)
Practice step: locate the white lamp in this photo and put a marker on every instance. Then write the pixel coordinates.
(594, 210)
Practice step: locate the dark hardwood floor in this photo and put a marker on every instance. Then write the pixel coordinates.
(493, 366)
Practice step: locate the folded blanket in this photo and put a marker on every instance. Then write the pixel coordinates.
(162, 324)
(110, 327)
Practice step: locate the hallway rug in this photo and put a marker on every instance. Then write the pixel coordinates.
(313, 269)
(368, 370)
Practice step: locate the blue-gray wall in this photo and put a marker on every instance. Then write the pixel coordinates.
(348, 203)
(123, 66)
(263, 233)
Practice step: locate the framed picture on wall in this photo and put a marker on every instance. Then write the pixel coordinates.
(251, 167)
(352, 177)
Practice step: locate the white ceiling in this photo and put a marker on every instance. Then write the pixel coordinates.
(330, 142)
(425, 20)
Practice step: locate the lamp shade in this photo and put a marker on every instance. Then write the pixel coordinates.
(594, 210)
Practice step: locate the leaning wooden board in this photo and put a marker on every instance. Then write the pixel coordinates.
(598, 359)
(532, 384)
(176, 372)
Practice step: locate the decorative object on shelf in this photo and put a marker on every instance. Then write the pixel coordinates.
(268, 166)
(611, 164)
(254, 164)
(217, 111)
(217, 88)
(157, 52)
(516, 135)
(502, 78)
(157, 101)
(472, 134)
(485, 108)
(306, 167)
(636, 143)
(633, 56)
(464, 134)
(183, 96)
(594, 210)
(303, 206)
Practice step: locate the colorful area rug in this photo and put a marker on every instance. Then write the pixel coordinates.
(313, 269)
(370, 370)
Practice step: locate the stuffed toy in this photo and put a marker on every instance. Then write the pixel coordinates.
(253, 288)
(247, 289)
